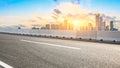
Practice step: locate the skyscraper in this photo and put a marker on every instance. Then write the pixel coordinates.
(90, 26)
(98, 21)
(111, 26)
(101, 23)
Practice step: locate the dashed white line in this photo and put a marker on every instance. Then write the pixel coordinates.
(55, 45)
(5, 65)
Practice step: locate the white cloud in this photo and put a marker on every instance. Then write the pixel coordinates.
(2, 20)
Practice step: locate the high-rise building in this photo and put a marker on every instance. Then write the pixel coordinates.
(111, 25)
(103, 26)
(47, 26)
(98, 21)
(101, 23)
(107, 28)
(65, 24)
(90, 26)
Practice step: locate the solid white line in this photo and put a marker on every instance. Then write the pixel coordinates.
(55, 45)
(5, 65)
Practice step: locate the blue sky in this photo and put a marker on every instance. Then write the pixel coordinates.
(21, 7)
(24, 7)
(106, 6)
(36, 7)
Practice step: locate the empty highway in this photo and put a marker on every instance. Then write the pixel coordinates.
(36, 52)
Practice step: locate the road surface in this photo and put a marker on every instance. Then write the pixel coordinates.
(35, 52)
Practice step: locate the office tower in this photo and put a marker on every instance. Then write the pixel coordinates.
(103, 26)
(65, 24)
(111, 26)
(101, 23)
(90, 26)
(98, 21)
(71, 26)
(107, 28)
(47, 26)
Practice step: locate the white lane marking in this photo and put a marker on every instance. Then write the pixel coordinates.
(5, 65)
(55, 45)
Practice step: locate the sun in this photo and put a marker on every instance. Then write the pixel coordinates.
(76, 24)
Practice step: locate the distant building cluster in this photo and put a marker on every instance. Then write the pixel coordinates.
(59, 26)
(65, 25)
(102, 26)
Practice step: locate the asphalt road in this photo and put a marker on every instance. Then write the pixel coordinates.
(36, 52)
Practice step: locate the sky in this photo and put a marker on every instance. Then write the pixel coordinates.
(18, 11)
